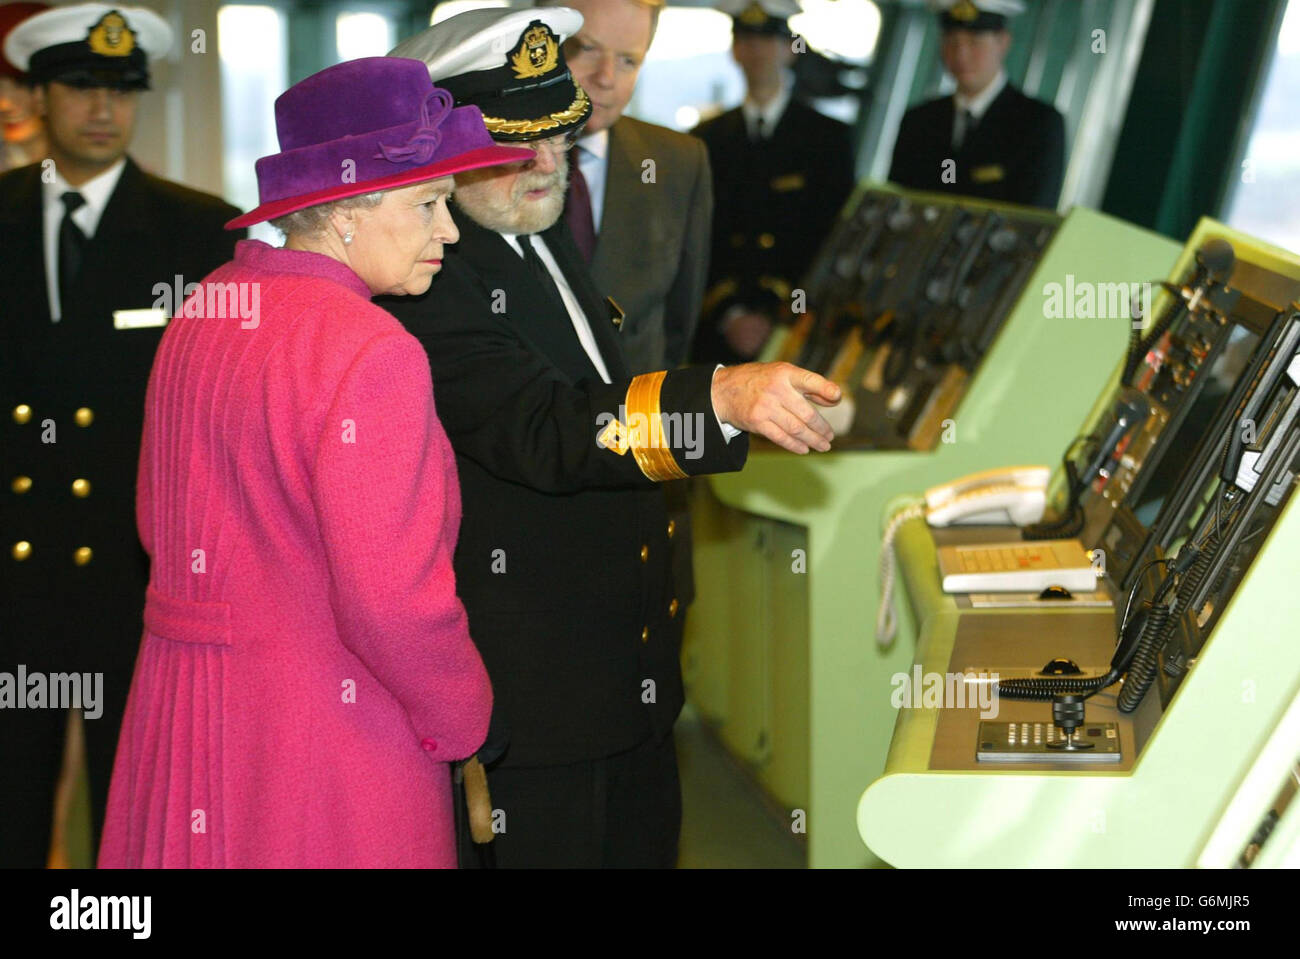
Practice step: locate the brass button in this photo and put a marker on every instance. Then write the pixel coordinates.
(766, 241)
(83, 556)
(81, 488)
(22, 549)
(85, 416)
(645, 633)
(672, 609)
(645, 553)
(672, 528)
(21, 484)
(22, 413)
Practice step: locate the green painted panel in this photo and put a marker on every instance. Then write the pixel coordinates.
(1036, 385)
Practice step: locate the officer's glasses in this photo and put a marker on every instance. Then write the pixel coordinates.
(557, 145)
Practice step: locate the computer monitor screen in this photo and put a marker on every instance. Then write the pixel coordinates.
(1217, 385)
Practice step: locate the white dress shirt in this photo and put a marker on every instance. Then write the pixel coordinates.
(593, 158)
(978, 105)
(96, 192)
(581, 325)
(771, 113)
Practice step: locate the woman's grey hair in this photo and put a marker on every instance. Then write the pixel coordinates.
(311, 221)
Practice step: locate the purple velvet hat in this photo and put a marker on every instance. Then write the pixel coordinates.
(371, 124)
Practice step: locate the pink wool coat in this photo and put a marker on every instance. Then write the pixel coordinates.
(306, 672)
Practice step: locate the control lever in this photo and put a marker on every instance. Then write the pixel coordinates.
(1067, 713)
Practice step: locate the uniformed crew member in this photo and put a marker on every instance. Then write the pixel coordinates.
(562, 561)
(781, 172)
(22, 137)
(87, 238)
(988, 139)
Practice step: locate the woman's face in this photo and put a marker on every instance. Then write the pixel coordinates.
(397, 246)
(17, 115)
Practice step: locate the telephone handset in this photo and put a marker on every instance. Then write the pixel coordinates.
(1014, 495)
(1011, 495)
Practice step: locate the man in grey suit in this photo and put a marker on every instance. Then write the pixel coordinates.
(641, 196)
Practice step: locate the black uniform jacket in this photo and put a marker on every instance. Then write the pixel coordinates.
(774, 203)
(563, 559)
(1015, 154)
(88, 615)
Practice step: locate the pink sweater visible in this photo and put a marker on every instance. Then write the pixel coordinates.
(306, 672)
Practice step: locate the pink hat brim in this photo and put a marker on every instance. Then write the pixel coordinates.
(470, 160)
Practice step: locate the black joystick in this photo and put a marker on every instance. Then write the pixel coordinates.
(1067, 713)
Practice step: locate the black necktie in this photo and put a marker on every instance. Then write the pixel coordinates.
(72, 247)
(967, 128)
(540, 271)
(759, 133)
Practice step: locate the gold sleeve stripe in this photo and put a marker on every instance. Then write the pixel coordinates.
(651, 452)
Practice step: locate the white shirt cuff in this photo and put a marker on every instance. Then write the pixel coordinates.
(729, 432)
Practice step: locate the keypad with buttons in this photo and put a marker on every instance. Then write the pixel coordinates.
(1040, 743)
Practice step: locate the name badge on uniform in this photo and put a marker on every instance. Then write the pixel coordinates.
(988, 174)
(138, 319)
(789, 183)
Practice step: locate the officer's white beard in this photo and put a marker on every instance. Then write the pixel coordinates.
(484, 202)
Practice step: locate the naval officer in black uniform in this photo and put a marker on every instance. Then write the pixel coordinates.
(988, 139)
(781, 172)
(563, 558)
(88, 236)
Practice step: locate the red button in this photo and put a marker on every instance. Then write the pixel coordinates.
(429, 745)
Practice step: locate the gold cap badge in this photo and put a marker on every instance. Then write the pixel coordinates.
(753, 15)
(965, 11)
(538, 54)
(111, 37)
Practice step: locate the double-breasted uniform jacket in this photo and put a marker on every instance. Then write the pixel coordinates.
(775, 201)
(72, 402)
(652, 249)
(1015, 154)
(563, 559)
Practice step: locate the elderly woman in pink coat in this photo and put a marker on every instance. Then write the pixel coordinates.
(306, 673)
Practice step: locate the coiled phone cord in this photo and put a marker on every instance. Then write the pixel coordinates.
(1142, 672)
(886, 615)
(1070, 524)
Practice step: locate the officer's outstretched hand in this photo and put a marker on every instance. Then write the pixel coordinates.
(772, 399)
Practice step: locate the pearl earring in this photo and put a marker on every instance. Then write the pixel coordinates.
(347, 238)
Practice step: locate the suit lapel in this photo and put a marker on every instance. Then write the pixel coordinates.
(622, 211)
(23, 224)
(594, 304)
(528, 308)
(122, 259)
